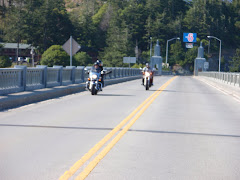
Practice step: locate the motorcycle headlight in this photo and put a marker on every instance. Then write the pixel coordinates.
(94, 76)
(147, 74)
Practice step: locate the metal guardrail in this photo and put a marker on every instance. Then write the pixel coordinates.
(229, 78)
(21, 78)
(10, 80)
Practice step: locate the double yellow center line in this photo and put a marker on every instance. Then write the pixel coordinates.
(135, 115)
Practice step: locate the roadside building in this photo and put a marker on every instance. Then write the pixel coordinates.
(10, 50)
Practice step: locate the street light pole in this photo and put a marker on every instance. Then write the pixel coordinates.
(167, 49)
(166, 54)
(32, 53)
(150, 48)
(220, 50)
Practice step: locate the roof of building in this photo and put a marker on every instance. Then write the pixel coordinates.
(14, 46)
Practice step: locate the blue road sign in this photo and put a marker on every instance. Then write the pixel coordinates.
(189, 37)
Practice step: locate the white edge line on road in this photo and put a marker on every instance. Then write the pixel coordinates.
(221, 90)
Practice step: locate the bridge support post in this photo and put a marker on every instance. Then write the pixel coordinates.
(73, 70)
(44, 78)
(23, 79)
(60, 70)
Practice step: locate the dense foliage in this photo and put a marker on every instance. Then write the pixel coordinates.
(235, 63)
(5, 62)
(82, 59)
(55, 55)
(112, 29)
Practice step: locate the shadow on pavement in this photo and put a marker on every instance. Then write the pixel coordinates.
(109, 129)
(53, 127)
(114, 95)
(183, 133)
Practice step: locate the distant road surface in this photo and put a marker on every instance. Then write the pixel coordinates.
(186, 130)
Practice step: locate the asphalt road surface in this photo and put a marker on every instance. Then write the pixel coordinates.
(185, 129)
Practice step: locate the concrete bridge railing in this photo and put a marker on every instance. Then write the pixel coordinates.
(229, 78)
(21, 78)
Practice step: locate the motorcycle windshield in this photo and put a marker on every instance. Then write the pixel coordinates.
(93, 73)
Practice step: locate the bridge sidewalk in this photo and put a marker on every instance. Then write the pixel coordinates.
(222, 86)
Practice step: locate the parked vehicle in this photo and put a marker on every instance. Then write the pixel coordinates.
(20, 59)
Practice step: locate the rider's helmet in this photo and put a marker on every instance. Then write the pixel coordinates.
(147, 65)
(99, 62)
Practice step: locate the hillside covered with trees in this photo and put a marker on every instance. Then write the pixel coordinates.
(112, 29)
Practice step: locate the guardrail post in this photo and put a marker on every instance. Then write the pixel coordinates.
(239, 79)
(117, 72)
(111, 74)
(44, 78)
(24, 75)
(227, 78)
(235, 79)
(72, 73)
(60, 70)
(114, 71)
(82, 72)
(120, 72)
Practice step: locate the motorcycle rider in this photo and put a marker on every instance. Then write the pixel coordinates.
(96, 67)
(99, 66)
(147, 68)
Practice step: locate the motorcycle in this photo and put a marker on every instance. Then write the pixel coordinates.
(147, 79)
(95, 82)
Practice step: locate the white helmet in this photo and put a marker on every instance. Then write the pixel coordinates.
(99, 62)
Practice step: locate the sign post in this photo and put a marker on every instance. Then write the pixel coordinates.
(70, 50)
(71, 47)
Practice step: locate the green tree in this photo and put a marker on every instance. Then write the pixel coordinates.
(55, 24)
(82, 59)
(118, 44)
(32, 23)
(137, 66)
(13, 22)
(55, 55)
(40, 23)
(235, 63)
(5, 62)
(97, 18)
(190, 56)
(134, 16)
(176, 54)
(235, 10)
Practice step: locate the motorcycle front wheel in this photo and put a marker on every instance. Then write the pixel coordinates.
(147, 84)
(93, 90)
